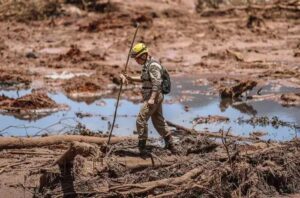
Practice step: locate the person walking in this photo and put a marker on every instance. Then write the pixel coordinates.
(152, 94)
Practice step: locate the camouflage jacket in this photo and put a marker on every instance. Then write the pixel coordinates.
(151, 78)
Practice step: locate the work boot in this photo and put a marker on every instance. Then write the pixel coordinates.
(142, 146)
(169, 144)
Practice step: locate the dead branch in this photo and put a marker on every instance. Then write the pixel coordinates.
(12, 165)
(149, 186)
(190, 131)
(31, 153)
(225, 144)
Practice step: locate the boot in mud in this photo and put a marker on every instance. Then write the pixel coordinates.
(169, 144)
(142, 147)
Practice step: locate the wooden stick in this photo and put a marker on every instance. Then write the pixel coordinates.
(120, 90)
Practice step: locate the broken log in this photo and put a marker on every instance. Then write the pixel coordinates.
(15, 142)
(189, 131)
(77, 148)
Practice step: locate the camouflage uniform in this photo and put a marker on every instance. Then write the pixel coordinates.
(151, 81)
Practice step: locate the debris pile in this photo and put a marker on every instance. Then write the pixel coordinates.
(204, 167)
(290, 99)
(94, 5)
(83, 86)
(13, 78)
(266, 121)
(237, 90)
(29, 106)
(210, 119)
(29, 9)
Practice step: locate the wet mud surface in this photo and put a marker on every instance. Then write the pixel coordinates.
(235, 72)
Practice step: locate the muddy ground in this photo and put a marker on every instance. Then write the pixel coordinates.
(80, 49)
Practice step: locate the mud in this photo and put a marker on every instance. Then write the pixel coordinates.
(239, 49)
(220, 43)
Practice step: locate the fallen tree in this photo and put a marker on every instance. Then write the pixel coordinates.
(214, 134)
(15, 142)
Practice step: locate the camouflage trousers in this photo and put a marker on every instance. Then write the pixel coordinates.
(155, 112)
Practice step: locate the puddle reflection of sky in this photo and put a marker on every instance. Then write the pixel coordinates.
(200, 105)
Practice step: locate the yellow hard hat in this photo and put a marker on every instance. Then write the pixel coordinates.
(138, 49)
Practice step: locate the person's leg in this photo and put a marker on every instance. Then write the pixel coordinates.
(161, 126)
(159, 122)
(142, 123)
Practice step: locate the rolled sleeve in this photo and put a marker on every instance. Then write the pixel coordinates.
(155, 76)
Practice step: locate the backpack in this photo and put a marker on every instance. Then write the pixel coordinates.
(166, 80)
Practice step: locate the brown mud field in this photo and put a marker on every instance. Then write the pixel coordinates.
(234, 108)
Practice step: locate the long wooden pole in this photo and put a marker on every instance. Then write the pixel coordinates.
(121, 86)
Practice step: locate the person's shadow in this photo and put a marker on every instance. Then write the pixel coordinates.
(67, 181)
(50, 179)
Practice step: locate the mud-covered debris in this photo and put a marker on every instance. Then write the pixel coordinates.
(280, 74)
(266, 121)
(237, 55)
(72, 54)
(146, 20)
(172, 13)
(77, 148)
(31, 106)
(83, 115)
(94, 5)
(201, 5)
(205, 162)
(255, 22)
(14, 78)
(228, 54)
(31, 10)
(74, 51)
(31, 55)
(290, 99)
(29, 101)
(34, 101)
(258, 133)
(83, 84)
(106, 22)
(210, 119)
(237, 90)
(81, 129)
(3, 97)
(3, 46)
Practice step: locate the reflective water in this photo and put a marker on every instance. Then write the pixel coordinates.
(190, 101)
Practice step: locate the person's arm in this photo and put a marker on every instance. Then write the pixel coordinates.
(125, 78)
(134, 78)
(155, 75)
